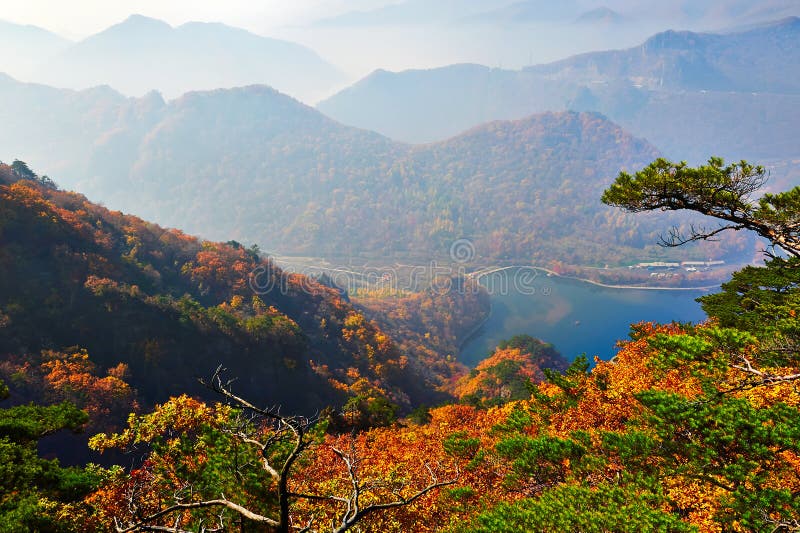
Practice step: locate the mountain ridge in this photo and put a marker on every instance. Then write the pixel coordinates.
(705, 79)
(258, 166)
(172, 308)
(140, 54)
(25, 45)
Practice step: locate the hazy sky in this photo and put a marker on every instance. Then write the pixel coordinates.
(360, 50)
(356, 51)
(80, 18)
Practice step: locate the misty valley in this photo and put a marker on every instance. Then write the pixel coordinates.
(383, 266)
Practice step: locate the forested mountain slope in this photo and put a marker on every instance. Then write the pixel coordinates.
(688, 428)
(171, 308)
(294, 181)
(257, 166)
(282, 175)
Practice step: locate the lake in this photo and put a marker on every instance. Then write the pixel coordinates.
(576, 317)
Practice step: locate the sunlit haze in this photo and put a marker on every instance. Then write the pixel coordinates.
(81, 18)
(416, 35)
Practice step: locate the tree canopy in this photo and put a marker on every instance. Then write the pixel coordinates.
(34, 491)
(688, 428)
(724, 192)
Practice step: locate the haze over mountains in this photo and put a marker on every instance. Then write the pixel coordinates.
(512, 34)
(258, 166)
(691, 94)
(413, 34)
(406, 12)
(707, 13)
(25, 46)
(395, 247)
(142, 54)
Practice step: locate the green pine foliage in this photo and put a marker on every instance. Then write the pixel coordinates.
(32, 488)
(600, 509)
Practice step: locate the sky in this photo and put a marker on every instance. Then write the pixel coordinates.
(76, 19)
(356, 51)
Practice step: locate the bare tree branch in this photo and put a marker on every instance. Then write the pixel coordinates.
(722, 192)
(676, 238)
(144, 523)
(764, 378)
(283, 428)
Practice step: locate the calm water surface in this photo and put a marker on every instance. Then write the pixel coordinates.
(575, 317)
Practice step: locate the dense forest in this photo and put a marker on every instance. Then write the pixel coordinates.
(227, 306)
(432, 324)
(254, 165)
(688, 428)
(113, 297)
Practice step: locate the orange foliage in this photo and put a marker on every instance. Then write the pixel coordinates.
(607, 399)
(220, 268)
(487, 383)
(72, 376)
(398, 459)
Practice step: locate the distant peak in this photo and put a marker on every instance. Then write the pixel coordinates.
(377, 74)
(195, 25)
(133, 27)
(104, 90)
(256, 90)
(455, 67)
(141, 21)
(600, 14)
(6, 25)
(203, 24)
(138, 18)
(672, 39)
(153, 97)
(788, 21)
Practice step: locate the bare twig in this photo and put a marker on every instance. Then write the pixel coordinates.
(283, 428)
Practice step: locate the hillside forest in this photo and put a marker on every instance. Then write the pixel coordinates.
(688, 428)
(384, 266)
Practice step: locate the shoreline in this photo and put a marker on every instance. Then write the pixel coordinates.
(474, 331)
(324, 265)
(549, 272)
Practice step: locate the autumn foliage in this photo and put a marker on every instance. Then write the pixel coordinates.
(54, 377)
(687, 428)
(169, 306)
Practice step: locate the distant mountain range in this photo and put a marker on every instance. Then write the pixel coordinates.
(705, 13)
(255, 165)
(761, 59)
(142, 54)
(24, 47)
(691, 94)
(408, 12)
